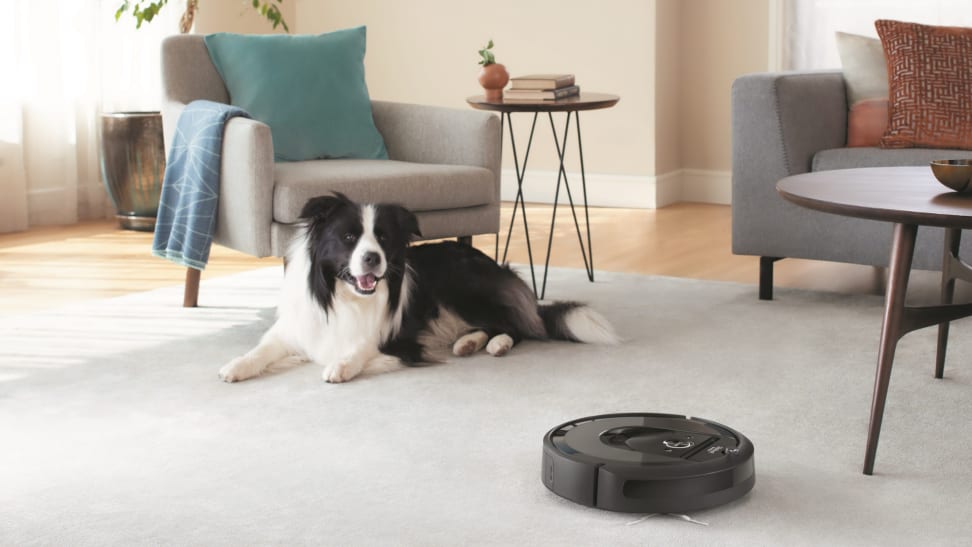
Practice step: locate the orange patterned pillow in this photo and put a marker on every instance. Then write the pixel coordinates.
(930, 85)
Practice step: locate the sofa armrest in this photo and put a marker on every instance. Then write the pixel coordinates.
(432, 134)
(789, 116)
(779, 121)
(245, 209)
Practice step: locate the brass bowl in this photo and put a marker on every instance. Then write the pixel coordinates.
(956, 174)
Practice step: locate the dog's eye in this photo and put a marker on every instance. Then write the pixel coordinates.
(349, 237)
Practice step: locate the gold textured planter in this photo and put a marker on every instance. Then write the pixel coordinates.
(133, 166)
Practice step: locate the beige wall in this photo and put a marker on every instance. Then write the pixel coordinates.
(718, 42)
(671, 61)
(667, 127)
(238, 16)
(425, 51)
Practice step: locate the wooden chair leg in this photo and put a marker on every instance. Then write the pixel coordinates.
(190, 297)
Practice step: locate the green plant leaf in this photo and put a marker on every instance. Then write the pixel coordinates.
(121, 10)
(487, 56)
(150, 12)
(143, 11)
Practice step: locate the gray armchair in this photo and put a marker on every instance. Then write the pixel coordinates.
(444, 165)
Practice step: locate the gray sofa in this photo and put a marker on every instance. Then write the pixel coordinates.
(796, 122)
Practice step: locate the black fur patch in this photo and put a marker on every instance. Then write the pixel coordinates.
(330, 221)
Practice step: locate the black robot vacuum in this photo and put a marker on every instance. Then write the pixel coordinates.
(647, 463)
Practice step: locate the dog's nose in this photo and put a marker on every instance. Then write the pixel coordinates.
(371, 259)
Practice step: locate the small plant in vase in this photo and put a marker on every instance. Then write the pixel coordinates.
(493, 76)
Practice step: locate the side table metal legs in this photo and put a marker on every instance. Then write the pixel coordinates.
(900, 319)
(507, 119)
(518, 205)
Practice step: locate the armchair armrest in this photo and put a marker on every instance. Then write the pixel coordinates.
(245, 210)
(188, 74)
(245, 206)
(432, 134)
(779, 121)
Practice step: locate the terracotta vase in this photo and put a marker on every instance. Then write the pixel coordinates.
(494, 78)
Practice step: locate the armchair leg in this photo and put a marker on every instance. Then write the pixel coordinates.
(766, 276)
(465, 240)
(190, 297)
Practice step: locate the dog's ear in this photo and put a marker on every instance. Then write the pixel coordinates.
(407, 222)
(324, 206)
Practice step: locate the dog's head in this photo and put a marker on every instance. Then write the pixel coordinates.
(360, 245)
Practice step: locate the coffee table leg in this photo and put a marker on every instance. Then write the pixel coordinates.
(953, 237)
(902, 252)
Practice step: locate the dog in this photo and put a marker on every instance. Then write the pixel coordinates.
(357, 298)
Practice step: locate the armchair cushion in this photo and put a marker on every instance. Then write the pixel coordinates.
(310, 90)
(417, 186)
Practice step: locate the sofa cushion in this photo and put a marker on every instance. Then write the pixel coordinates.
(851, 158)
(866, 79)
(417, 186)
(930, 84)
(310, 90)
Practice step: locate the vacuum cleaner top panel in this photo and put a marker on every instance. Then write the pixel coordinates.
(642, 439)
(647, 462)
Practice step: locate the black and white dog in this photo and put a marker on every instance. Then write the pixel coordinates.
(357, 298)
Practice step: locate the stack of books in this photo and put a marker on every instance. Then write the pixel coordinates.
(541, 87)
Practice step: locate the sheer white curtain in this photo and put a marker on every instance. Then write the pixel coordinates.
(810, 24)
(63, 62)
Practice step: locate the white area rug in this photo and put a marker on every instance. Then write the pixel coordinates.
(116, 431)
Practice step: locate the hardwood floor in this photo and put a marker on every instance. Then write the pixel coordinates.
(47, 267)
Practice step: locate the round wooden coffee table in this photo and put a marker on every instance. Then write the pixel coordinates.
(909, 197)
(572, 106)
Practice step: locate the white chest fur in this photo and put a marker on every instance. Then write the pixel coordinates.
(354, 325)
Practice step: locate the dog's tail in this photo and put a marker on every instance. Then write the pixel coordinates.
(576, 322)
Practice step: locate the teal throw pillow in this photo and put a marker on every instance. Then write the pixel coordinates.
(310, 90)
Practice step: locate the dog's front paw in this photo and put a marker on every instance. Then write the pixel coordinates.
(236, 370)
(500, 345)
(340, 372)
(469, 343)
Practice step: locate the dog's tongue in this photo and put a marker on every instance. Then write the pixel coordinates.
(366, 282)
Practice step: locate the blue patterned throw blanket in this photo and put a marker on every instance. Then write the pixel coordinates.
(187, 208)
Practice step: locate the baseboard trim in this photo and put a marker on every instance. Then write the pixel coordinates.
(629, 191)
(603, 190)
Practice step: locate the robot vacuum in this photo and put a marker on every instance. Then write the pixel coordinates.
(647, 463)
